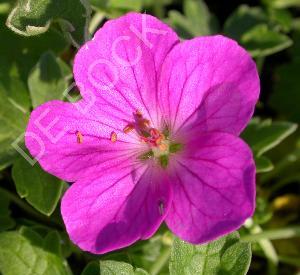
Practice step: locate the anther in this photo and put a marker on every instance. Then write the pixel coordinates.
(79, 137)
(128, 128)
(113, 137)
(145, 122)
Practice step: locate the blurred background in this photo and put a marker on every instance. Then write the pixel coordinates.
(37, 47)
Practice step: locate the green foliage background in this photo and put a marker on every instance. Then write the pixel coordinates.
(36, 53)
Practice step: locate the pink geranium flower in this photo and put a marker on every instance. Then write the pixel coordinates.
(154, 137)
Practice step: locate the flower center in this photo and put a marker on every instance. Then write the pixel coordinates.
(159, 143)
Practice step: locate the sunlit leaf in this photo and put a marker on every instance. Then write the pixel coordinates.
(39, 188)
(227, 255)
(112, 268)
(48, 79)
(21, 254)
(13, 120)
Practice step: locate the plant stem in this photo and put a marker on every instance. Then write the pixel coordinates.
(161, 261)
(266, 246)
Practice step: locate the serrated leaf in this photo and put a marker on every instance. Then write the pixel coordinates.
(196, 21)
(39, 188)
(262, 136)
(48, 79)
(19, 255)
(227, 255)
(30, 18)
(112, 268)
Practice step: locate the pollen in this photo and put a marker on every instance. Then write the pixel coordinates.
(113, 137)
(79, 137)
(128, 128)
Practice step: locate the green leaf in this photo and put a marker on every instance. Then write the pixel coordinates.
(262, 41)
(281, 4)
(286, 91)
(93, 268)
(19, 254)
(39, 188)
(196, 21)
(262, 136)
(30, 18)
(25, 52)
(6, 222)
(48, 79)
(115, 8)
(227, 255)
(13, 120)
(263, 164)
(242, 20)
(112, 268)
(282, 18)
(249, 25)
(52, 243)
(263, 211)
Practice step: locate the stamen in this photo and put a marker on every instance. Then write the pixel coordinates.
(113, 137)
(79, 137)
(128, 128)
(146, 122)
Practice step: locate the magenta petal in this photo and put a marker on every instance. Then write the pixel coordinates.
(214, 188)
(117, 209)
(210, 79)
(52, 137)
(122, 63)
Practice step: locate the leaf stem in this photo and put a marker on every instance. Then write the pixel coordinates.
(161, 261)
(274, 234)
(266, 246)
